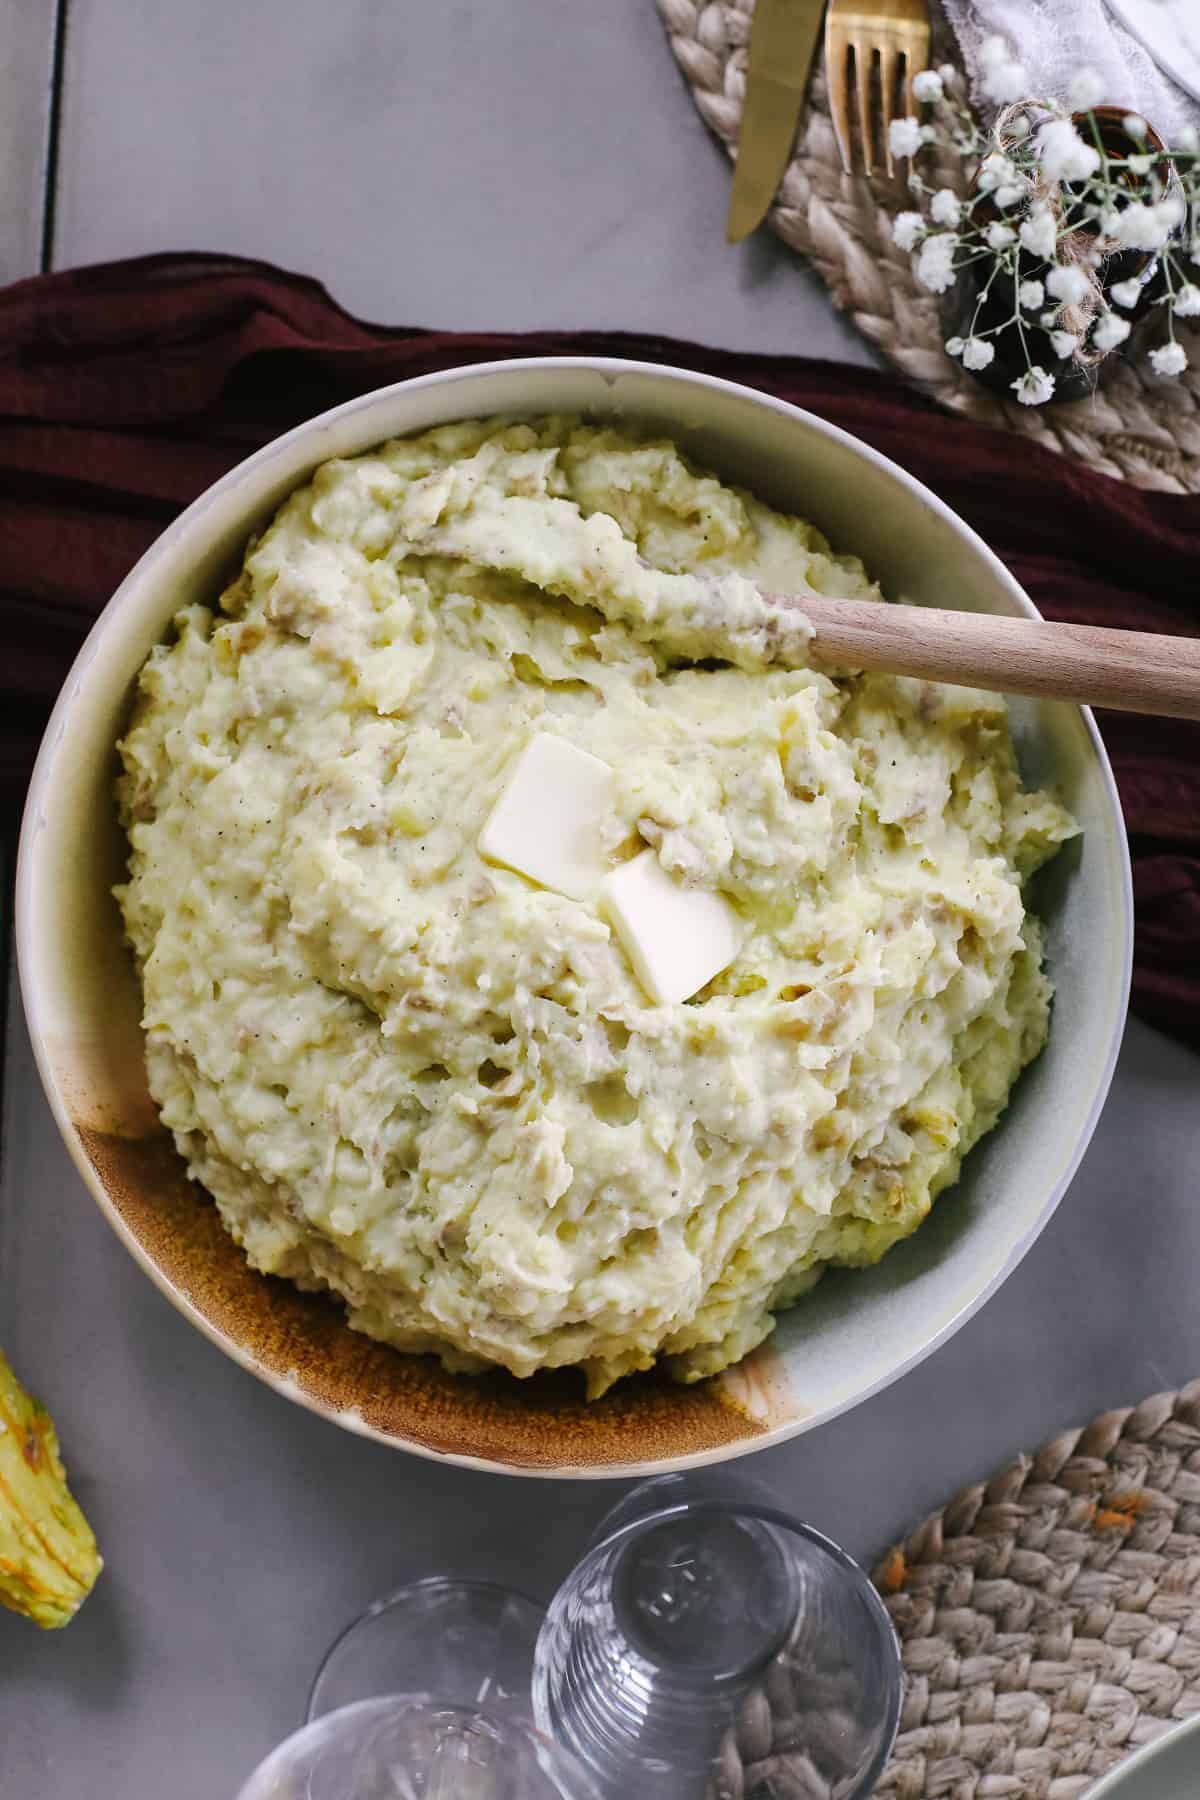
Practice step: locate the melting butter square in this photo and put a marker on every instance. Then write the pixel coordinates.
(676, 937)
(546, 823)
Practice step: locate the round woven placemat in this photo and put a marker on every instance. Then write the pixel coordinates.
(1137, 426)
(1050, 1617)
(1049, 1623)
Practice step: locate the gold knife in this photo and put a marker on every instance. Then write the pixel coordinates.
(783, 38)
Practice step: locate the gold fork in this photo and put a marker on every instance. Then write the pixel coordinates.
(861, 35)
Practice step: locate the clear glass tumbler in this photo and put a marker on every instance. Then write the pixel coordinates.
(470, 1642)
(411, 1747)
(711, 1646)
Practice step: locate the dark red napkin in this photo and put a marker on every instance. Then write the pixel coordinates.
(127, 388)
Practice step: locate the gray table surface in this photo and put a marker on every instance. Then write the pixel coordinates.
(464, 164)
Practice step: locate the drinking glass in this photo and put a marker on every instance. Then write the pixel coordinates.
(469, 1642)
(413, 1747)
(710, 1645)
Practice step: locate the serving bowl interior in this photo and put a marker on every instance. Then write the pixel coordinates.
(856, 1331)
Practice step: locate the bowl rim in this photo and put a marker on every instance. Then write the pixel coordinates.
(278, 449)
(1111, 1786)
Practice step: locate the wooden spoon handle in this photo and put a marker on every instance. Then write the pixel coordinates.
(1135, 671)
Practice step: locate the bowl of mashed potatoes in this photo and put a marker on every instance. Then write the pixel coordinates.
(500, 989)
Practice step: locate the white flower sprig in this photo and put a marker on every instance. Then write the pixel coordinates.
(1049, 203)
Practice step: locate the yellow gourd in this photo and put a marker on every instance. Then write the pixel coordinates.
(48, 1556)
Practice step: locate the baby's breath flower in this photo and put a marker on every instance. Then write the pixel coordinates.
(1142, 227)
(1003, 77)
(1119, 203)
(1086, 90)
(945, 208)
(935, 269)
(1110, 332)
(1139, 227)
(1169, 359)
(994, 170)
(1005, 82)
(908, 228)
(1063, 154)
(1067, 284)
(1039, 233)
(1034, 387)
(904, 137)
(1125, 293)
(977, 353)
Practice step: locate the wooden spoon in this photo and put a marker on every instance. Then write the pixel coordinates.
(1134, 671)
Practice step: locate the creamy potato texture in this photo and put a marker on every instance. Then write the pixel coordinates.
(421, 1081)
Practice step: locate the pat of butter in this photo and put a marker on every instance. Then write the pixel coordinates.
(546, 823)
(676, 937)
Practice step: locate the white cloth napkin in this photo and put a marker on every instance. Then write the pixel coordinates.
(1056, 39)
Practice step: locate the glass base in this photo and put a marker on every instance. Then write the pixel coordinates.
(709, 1595)
(469, 1642)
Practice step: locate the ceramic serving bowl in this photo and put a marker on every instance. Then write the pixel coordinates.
(857, 1331)
(1168, 1768)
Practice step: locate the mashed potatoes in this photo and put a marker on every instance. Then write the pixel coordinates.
(417, 1079)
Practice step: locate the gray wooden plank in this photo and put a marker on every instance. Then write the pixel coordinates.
(467, 164)
(27, 29)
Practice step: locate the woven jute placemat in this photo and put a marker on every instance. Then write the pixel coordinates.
(1049, 1622)
(1137, 426)
(1050, 1617)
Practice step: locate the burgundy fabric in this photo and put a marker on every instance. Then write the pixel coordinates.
(126, 389)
